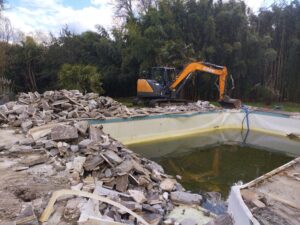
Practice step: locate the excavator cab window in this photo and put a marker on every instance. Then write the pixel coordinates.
(163, 75)
(171, 74)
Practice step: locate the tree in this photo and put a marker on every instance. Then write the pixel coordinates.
(124, 8)
(259, 50)
(80, 77)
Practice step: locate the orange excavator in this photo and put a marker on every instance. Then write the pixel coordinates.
(163, 84)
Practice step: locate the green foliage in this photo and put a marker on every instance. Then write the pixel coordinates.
(80, 77)
(261, 48)
(270, 55)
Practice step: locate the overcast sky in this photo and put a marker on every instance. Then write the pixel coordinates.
(80, 15)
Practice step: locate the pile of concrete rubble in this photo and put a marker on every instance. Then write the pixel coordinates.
(80, 157)
(34, 109)
(60, 170)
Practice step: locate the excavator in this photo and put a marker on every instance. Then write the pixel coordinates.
(163, 84)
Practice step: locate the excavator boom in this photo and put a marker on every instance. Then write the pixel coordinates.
(205, 67)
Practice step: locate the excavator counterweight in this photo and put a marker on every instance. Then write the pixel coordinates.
(164, 84)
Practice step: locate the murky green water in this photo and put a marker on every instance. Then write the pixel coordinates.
(215, 161)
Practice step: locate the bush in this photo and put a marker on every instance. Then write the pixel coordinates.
(85, 78)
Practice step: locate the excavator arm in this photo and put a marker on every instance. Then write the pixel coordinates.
(220, 71)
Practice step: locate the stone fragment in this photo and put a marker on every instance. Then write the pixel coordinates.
(27, 216)
(92, 162)
(95, 133)
(27, 141)
(137, 196)
(84, 143)
(77, 164)
(185, 198)
(72, 209)
(35, 161)
(188, 221)
(178, 177)
(112, 156)
(63, 133)
(50, 144)
(122, 183)
(222, 219)
(167, 184)
(19, 109)
(149, 208)
(63, 147)
(74, 148)
(108, 173)
(92, 104)
(166, 195)
(153, 166)
(26, 125)
(125, 167)
(249, 195)
(82, 126)
(258, 203)
(99, 190)
(152, 218)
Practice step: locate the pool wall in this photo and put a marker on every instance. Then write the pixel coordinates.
(155, 127)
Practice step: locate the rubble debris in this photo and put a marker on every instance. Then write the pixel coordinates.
(44, 217)
(61, 150)
(34, 109)
(101, 166)
(27, 216)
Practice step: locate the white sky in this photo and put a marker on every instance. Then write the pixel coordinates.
(80, 15)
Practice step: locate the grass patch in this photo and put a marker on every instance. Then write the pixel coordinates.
(283, 106)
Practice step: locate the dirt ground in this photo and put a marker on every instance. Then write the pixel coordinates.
(24, 178)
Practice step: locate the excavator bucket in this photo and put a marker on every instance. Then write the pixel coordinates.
(230, 103)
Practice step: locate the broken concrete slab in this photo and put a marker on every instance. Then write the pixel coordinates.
(168, 184)
(113, 157)
(82, 126)
(50, 144)
(137, 196)
(181, 197)
(84, 143)
(122, 183)
(63, 133)
(125, 167)
(92, 162)
(27, 216)
(95, 133)
(26, 125)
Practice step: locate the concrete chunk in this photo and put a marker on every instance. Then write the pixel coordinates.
(168, 184)
(63, 133)
(95, 133)
(111, 155)
(137, 196)
(26, 125)
(84, 143)
(186, 198)
(82, 126)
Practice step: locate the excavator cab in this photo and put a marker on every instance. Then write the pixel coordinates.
(156, 83)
